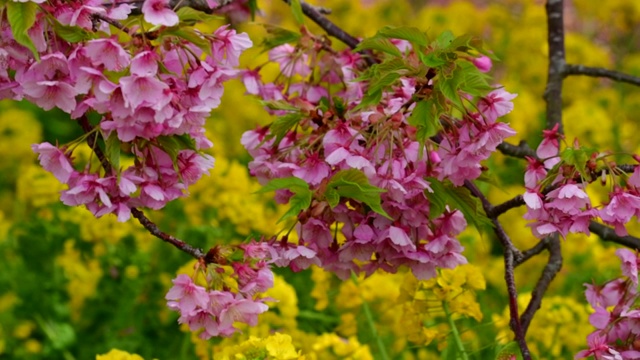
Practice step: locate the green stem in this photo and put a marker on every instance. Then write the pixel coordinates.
(372, 325)
(454, 331)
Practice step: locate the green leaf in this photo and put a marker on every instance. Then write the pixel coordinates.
(449, 87)
(411, 34)
(432, 59)
(379, 44)
(459, 198)
(353, 184)
(171, 146)
(185, 141)
(425, 117)
(445, 39)
(301, 198)
(473, 81)
(189, 35)
(189, 14)
(112, 150)
(72, 34)
(278, 105)
(283, 124)
(577, 157)
(383, 81)
(277, 36)
(22, 16)
(296, 9)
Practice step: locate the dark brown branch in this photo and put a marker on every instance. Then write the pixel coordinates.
(138, 214)
(502, 208)
(600, 72)
(551, 269)
(608, 234)
(511, 256)
(332, 29)
(555, 38)
(537, 249)
(520, 151)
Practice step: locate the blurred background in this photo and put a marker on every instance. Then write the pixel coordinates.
(72, 286)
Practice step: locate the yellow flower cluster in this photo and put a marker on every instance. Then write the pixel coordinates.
(274, 347)
(82, 275)
(227, 196)
(116, 354)
(427, 304)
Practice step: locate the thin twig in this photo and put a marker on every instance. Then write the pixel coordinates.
(332, 29)
(570, 69)
(535, 250)
(138, 214)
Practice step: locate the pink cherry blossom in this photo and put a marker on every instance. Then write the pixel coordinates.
(496, 104)
(483, 63)
(54, 160)
(158, 12)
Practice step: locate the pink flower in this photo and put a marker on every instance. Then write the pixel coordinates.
(54, 160)
(483, 63)
(186, 295)
(496, 104)
(107, 52)
(549, 147)
(229, 45)
(49, 94)
(291, 61)
(629, 264)
(142, 90)
(157, 12)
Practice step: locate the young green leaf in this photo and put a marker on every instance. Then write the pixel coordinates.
(296, 9)
(112, 150)
(458, 198)
(189, 14)
(22, 16)
(283, 124)
(278, 36)
(301, 198)
(72, 34)
(353, 184)
(425, 117)
(411, 34)
(379, 44)
(189, 35)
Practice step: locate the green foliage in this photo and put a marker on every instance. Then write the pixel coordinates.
(456, 197)
(22, 16)
(353, 184)
(301, 199)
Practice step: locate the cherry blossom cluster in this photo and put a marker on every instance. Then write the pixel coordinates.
(616, 314)
(336, 134)
(556, 198)
(152, 92)
(213, 310)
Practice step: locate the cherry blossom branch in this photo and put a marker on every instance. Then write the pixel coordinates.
(138, 214)
(608, 234)
(512, 256)
(519, 151)
(327, 25)
(332, 29)
(570, 69)
(535, 250)
(551, 269)
(555, 39)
